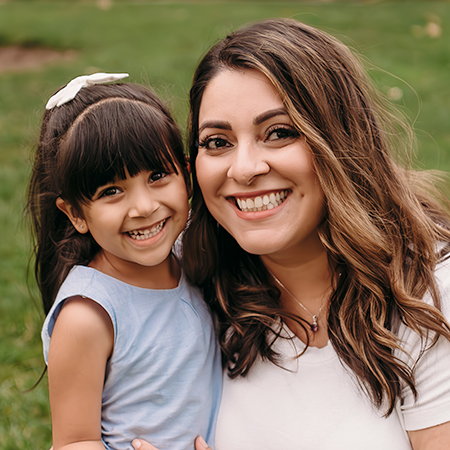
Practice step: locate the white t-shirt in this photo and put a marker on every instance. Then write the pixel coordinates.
(315, 403)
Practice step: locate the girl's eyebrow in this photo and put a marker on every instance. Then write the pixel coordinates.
(258, 120)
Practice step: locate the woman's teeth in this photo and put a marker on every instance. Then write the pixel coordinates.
(262, 203)
(146, 234)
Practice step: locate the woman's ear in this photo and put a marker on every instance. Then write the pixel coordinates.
(78, 222)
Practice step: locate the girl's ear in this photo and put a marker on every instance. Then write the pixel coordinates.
(188, 163)
(79, 223)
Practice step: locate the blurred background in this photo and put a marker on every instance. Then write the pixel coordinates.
(44, 44)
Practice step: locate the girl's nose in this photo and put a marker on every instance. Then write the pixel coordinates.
(248, 163)
(142, 203)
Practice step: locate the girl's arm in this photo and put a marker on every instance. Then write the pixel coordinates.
(81, 343)
(433, 438)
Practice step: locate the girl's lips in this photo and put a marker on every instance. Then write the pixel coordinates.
(264, 202)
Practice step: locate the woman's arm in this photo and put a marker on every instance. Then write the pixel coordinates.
(81, 343)
(433, 438)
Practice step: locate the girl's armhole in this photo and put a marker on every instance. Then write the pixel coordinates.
(84, 314)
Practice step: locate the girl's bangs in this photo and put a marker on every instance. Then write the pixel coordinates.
(116, 139)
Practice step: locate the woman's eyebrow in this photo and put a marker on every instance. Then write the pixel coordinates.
(221, 124)
(258, 120)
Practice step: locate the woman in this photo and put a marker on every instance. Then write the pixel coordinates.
(326, 262)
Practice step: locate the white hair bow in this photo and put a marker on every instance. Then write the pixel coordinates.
(68, 93)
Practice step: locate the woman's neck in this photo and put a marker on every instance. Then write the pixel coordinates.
(305, 286)
(306, 277)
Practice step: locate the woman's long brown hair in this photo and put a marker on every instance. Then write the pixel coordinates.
(382, 225)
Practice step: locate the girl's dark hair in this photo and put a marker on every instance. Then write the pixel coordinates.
(106, 132)
(381, 227)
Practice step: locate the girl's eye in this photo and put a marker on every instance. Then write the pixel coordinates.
(213, 143)
(109, 192)
(279, 133)
(156, 176)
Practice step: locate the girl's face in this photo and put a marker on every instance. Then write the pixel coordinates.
(254, 168)
(136, 220)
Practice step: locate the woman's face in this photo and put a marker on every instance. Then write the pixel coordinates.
(254, 168)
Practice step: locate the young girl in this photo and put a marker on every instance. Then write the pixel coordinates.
(130, 346)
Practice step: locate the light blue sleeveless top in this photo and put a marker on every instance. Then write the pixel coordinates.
(163, 381)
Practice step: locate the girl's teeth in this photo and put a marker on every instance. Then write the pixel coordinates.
(140, 235)
(262, 203)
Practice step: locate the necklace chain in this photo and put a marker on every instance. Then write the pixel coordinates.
(314, 325)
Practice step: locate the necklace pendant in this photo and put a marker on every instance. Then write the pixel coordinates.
(314, 326)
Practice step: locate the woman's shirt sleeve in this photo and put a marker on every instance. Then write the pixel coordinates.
(431, 368)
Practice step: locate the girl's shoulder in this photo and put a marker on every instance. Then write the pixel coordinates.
(84, 282)
(88, 282)
(80, 274)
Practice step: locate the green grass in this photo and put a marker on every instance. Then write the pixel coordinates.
(160, 43)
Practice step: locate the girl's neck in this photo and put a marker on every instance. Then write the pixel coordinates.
(165, 275)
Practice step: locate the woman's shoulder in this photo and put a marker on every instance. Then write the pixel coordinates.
(443, 263)
(442, 279)
(442, 276)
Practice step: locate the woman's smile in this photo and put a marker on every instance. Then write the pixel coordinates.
(265, 202)
(254, 168)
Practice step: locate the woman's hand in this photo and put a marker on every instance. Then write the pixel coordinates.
(140, 444)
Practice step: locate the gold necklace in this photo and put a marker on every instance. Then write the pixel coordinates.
(315, 324)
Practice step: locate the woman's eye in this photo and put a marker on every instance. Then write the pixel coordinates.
(213, 143)
(282, 133)
(156, 176)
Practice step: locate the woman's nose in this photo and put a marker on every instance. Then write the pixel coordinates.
(247, 164)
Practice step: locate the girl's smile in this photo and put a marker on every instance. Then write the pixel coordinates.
(147, 233)
(135, 222)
